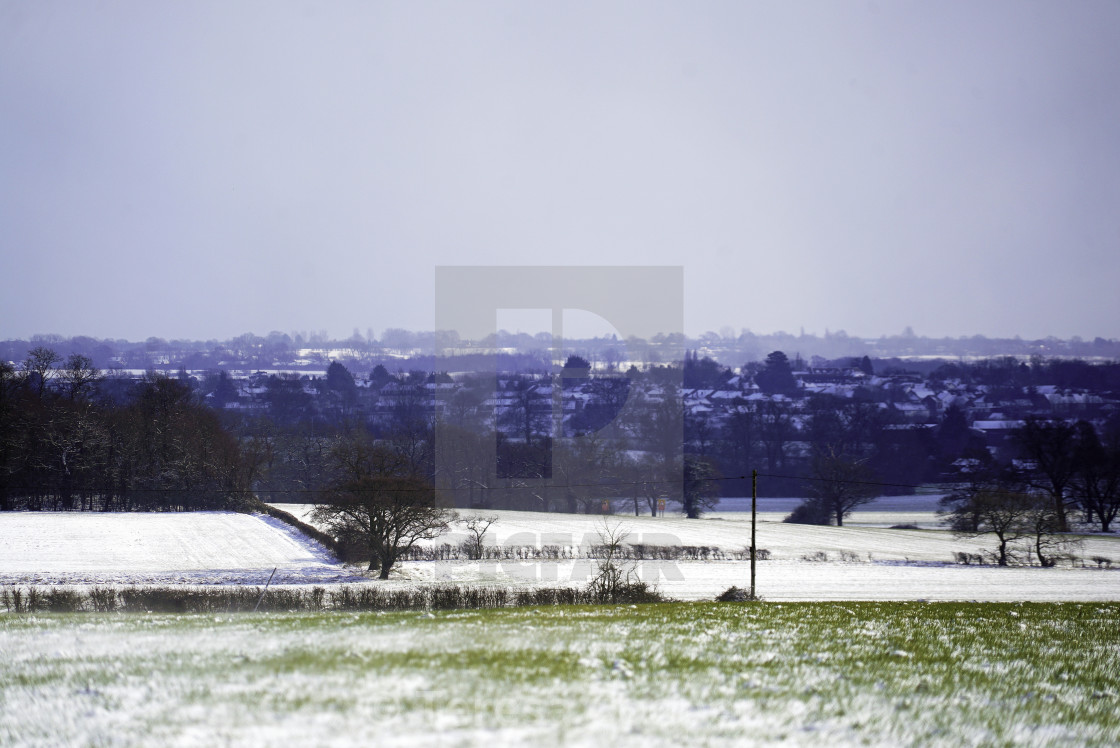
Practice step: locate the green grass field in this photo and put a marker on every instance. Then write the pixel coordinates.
(701, 673)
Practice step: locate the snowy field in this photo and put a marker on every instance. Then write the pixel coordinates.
(728, 529)
(865, 561)
(158, 548)
(885, 511)
(855, 671)
(781, 581)
(822, 674)
(855, 562)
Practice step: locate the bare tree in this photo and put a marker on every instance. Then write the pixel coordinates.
(79, 376)
(840, 483)
(10, 437)
(1052, 446)
(741, 434)
(38, 367)
(412, 426)
(527, 412)
(1009, 515)
(638, 473)
(1096, 481)
(700, 491)
(584, 471)
(466, 465)
(612, 574)
(1048, 544)
(476, 531)
(660, 427)
(379, 502)
(776, 429)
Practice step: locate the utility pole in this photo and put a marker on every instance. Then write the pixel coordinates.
(754, 514)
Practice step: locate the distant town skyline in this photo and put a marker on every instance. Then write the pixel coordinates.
(202, 170)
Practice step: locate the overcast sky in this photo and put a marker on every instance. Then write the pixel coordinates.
(201, 170)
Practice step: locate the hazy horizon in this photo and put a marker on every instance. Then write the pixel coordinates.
(310, 337)
(201, 170)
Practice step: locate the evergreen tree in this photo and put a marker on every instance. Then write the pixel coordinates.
(776, 377)
(340, 380)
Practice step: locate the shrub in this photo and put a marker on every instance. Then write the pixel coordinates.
(808, 513)
(233, 599)
(761, 554)
(17, 600)
(14, 600)
(451, 597)
(630, 592)
(815, 557)
(35, 600)
(736, 595)
(153, 599)
(103, 599)
(447, 598)
(63, 600)
(552, 596)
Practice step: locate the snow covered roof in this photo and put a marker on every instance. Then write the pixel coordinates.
(997, 425)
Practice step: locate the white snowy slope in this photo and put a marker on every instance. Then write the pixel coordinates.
(730, 533)
(807, 562)
(148, 548)
(861, 561)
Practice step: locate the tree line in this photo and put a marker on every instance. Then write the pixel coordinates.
(72, 438)
(69, 443)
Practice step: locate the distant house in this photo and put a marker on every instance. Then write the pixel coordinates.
(997, 434)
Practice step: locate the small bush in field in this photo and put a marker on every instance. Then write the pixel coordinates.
(808, 513)
(736, 595)
(632, 592)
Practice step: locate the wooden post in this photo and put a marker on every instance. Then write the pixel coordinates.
(270, 576)
(754, 513)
